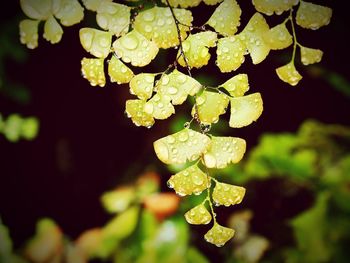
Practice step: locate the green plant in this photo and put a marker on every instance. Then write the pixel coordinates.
(130, 37)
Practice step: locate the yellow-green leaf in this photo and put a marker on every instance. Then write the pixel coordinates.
(70, 12)
(227, 194)
(312, 16)
(92, 69)
(237, 85)
(230, 53)
(141, 85)
(46, 242)
(226, 18)
(177, 86)
(113, 17)
(118, 72)
(223, 151)
(134, 48)
(268, 7)
(93, 4)
(122, 225)
(29, 128)
(245, 110)
(157, 24)
(196, 49)
(159, 107)
(37, 9)
(192, 180)
(219, 235)
(278, 37)
(52, 30)
(185, 145)
(118, 200)
(96, 42)
(183, 3)
(289, 74)
(210, 106)
(28, 30)
(253, 37)
(310, 55)
(212, 2)
(199, 215)
(135, 109)
(74, 255)
(12, 127)
(6, 245)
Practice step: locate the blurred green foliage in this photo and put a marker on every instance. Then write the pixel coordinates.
(16, 127)
(146, 229)
(12, 50)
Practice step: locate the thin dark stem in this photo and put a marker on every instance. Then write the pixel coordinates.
(182, 53)
(179, 37)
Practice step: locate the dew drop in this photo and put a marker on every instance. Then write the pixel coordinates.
(129, 42)
(171, 139)
(148, 28)
(162, 151)
(197, 180)
(148, 16)
(187, 124)
(170, 183)
(172, 90)
(183, 137)
(102, 21)
(209, 160)
(165, 80)
(204, 52)
(148, 108)
(160, 22)
(181, 79)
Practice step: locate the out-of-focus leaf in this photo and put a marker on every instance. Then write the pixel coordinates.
(147, 184)
(335, 79)
(162, 204)
(240, 221)
(338, 173)
(310, 230)
(16, 92)
(5, 241)
(118, 200)
(253, 248)
(117, 229)
(195, 256)
(339, 82)
(29, 128)
(46, 243)
(171, 240)
(74, 255)
(148, 225)
(89, 241)
(276, 154)
(12, 129)
(145, 238)
(337, 178)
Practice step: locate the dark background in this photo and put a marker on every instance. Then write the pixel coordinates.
(86, 145)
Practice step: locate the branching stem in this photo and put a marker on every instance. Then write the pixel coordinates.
(210, 203)
(182, 53)
(295, 42)
(181, 49)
